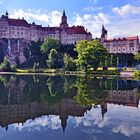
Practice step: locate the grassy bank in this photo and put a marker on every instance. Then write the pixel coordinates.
(98, 72)
(111, 71)
(137, 74)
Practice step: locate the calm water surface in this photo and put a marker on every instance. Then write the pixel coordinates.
(69, 108)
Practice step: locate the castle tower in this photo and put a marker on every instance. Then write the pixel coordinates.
(63, 118)
(104, 34)
(64, 24)
(103, 108)
(6, 14)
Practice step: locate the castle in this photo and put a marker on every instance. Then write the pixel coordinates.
(120, 45)
(21, 29)
(16, 34)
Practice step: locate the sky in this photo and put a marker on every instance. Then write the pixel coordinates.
(120, 17)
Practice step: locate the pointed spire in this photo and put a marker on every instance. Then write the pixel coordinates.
(6, 127)
(64, 23)
(6, 13)
(103, 109)
(103, 28)
(64, 129)
(64, 14)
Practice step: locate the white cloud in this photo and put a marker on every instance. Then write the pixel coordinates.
(1, 3)
(91, 8)
(89, 120)
(126, 10)
(126, 129)
(53, 122)
(113, 121)
(125, 27)
(52, 18)
(92, 22)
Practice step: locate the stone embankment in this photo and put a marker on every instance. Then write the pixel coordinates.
(127, 74)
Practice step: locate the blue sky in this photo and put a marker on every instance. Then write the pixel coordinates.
(120, 17)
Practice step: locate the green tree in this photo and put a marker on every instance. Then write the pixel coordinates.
(50, 44)
(5, 65)
(17, 60)
(137, 57)
(69, 63)
(26, 53)
(55, 59)
(36, 66)
(68, 49)
(89, 91)
(1, 55)
(90, 54)
(35, 48)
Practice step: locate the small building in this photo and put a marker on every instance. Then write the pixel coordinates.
(120, 45)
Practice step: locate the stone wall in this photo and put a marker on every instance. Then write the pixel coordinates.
(13, 48)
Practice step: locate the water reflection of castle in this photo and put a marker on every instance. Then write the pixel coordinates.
(17, 113)
(121, 97)
(15, 107)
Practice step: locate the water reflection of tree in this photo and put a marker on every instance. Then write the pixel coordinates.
(90, 92)
(70, 86)
(54, 91)
(6, 79)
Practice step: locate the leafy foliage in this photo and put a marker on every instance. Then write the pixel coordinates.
(17, 60)
(137, 57)
(121, 59)
(55, 59)
(6, 66)
(89, 93)
(50, 44)
(69, 64)
(68, 49)
(26, 53)
(1, 54)
(90, 54)
(35, 48)
(36, 66)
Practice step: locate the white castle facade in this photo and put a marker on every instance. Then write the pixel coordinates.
(21, 29)
(25, 32)
(120, 45)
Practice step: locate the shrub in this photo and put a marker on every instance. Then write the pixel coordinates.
(6, 66)
(69, 64)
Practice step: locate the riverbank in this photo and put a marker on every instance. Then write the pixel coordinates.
(111, 72)
(62, 72)
(127, 74)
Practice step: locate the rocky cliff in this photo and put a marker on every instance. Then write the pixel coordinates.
(13, 49)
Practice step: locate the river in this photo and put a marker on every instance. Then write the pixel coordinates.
(69, 108)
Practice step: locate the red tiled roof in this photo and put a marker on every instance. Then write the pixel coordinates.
(132, 38)
(122, 39)
(51, 29)
(18, 22)
(76, 30)
(36, 27)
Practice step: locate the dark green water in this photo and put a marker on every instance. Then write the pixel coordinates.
(69, 108)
